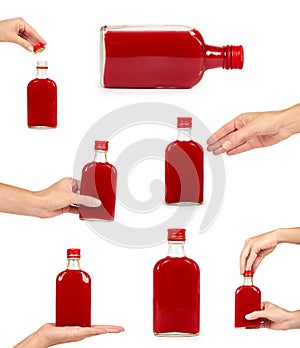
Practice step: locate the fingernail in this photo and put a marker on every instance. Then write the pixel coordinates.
(30, 48)
(247, 316)
(96, 202)
(227, 144)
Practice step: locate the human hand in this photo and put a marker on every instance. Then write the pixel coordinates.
(254, 130)
(256, 248)
(62, 197)
(18, 31)
(275, 317)
(49, 335)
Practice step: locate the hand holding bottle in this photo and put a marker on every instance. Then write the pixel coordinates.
(49, 335)
(254, 130)
(275, 317)
(256, 248)
(18, 31)
(62, 197)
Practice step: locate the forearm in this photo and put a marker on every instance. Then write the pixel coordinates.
(32, 341)
(15, 200)
(288, 235)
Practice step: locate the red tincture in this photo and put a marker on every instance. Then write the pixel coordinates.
(247, 300)
(176, 291)
(73, 294)
(99, 180)
(184, 167)
(42, 100)
(160, 57)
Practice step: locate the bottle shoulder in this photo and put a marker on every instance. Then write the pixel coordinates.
(192, 144)
(68, 274)
(169, 261)
(37, 81)
(243, 289)
(93, 165)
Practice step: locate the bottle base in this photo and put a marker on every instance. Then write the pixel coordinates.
(184, 203)
(95, 219)
(41, 127)
(175, 334)
(247, 327)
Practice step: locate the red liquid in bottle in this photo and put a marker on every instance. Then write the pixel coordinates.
(73, 294)
(176, 293)
(247, 300)
(42, 100)
(184, 163)
(160, 57)
(99, 180)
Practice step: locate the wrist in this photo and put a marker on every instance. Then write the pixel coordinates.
(280, 235)
(40, 203)
(291, 119)
(293, 320)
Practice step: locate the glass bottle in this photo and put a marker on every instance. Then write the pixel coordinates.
(73, 293)
(160, 56)
(99, 180)
(184, 167)
(247, 300)
(176, 291)
(42, 99)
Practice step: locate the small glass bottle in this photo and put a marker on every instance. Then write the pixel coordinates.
(99, 180)
(42, 99)
(162, 56)
(184, 167)
(247, 300)
(176, 291)
(73, 293)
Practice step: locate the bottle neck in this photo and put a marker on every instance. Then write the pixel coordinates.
(217, 57)
(176, 249)
(73, 264)
(184, 134)
(248, 281)
(42, 73)
(100, 156)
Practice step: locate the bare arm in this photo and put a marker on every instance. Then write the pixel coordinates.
(55, 200)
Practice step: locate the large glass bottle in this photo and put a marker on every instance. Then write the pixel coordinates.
(176, 291)
(99, 180)
(73, 293)
(160, 56)
(247, 300)
(42, 99)
(184, 167)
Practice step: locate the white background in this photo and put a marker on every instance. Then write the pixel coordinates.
(262, 186)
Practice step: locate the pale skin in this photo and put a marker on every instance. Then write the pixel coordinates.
(255, 130)
(254, 251)
(18, 31)
(61, 197)
(49, 335)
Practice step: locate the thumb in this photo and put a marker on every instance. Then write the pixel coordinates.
(255, 315)
(87, 201)
(23, 43)
(238, 137)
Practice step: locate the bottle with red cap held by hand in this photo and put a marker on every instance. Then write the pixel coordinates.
(99, 180)
(184, 167)
(73, 293)
(176, 291)
(42, 99)
(165, 56)
(247, 300)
